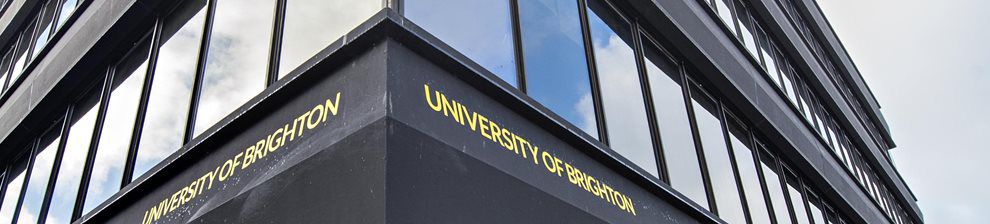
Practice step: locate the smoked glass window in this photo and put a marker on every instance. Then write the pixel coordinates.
(480, 29)
(73, 160)
(774, 188)
(723, 8)
(723, 180)
(237, 62)
(121, 110)
(311, 25)
(683, 167)
(748, 174)
(622, 93)
(794, 190)
(171, 87)
(556, 64)
(41, 172)
(746, 30)
(14, 184)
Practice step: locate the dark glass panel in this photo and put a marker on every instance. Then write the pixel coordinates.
(748, 173)
(723, 179)
(171, 88)
(680, 154)
(622, 93)
(311, 25)
(556, 64)
(774, 188)
(73, 159)
(12, 193)
(794, 190)
(746, 30)
(41, 172)
(121, 110)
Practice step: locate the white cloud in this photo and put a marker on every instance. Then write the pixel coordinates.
(926, 62)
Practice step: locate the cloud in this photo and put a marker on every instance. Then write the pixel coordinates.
(926, 63)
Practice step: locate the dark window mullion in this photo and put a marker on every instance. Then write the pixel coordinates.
(732, 161)
(639, 51)
(517, 45)
(93, 144)
(27, 179)
(200, 72)
(589, 52)
(142, 110)
(690, 85)
(59, 151)
(275, 49)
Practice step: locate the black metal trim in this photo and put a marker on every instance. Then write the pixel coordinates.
(647, 91)
(142, 111)
(275, 48)
(27, 178)
(589, 52)
(517, 45)
(204, 49)
(57, 165)
(94, 143)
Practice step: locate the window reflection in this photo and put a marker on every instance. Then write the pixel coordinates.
(15, 183)
(817, 214)
(725, 13)
(68, 7)
(73, 159)
(118, 126)
(41, 171)
(171, 88)
(683, 167)
(749, 177)
(237, 60)
(745, 30)
(21, 56)
(44, 28)
(556, 64)
(622, 96)
(774, 188)
(480, 29)
(720, 171)
(797, 199)
(311, 25)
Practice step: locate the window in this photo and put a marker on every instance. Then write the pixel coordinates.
(311, 25)
(73, 159)
(480, 29)
(44, 28)
(236, 65)
(121, 110)
(749, 177)
(815, 207)
(68, 7)
(775, 190)
(41, 171)
(557, 70)
(13, 186)
(794, 190)
(723, 180)
(683, 167)
(722, 7)
(622, 96)
(746, 30)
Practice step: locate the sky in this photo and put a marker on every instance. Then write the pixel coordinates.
(926, 62)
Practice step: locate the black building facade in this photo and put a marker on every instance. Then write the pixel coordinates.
(438, 111)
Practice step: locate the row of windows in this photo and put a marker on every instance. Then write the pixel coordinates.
(817, 49)
(197, 62)
(29, 41)
(591, 65)
(738, 19)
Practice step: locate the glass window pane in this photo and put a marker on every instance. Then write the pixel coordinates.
(556, 64)
(745, 30)
(171, 89)
(118, 126)
(749, 176)
(5, 70)
(41, 172)
(311, 25)
(816, 211)
(720, 171)
(73, 159)
(68, 7)
(725, 13)
(622, 94)
(44, 28)
(237, 63)
(769, 60)
(15, 183)
(20, 60)
(680, 154)
(480, 29)
(797, 200)
(774, 188)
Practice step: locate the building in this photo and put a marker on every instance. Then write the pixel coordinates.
(438, 111)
